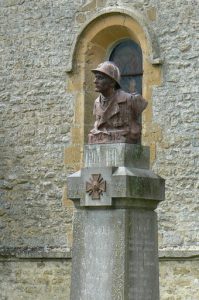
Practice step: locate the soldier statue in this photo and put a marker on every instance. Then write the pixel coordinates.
(117, 113)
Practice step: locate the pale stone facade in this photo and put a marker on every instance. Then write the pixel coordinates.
(43, 71)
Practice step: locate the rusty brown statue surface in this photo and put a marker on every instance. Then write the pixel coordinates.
(117, 113)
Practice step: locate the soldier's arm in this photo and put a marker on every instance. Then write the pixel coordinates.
(138, 103)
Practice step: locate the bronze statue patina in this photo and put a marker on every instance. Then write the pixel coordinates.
(116, 112)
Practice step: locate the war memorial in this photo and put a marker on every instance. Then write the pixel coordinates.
(84, 170)
(115, 250)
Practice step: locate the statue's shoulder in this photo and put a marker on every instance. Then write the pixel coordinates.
(123, 96)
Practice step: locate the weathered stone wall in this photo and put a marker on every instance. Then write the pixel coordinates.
(35, 279)
(175, 107)
(43, 279)
(179, 280)
(37, 111)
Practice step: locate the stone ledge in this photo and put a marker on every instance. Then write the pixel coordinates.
(178, 254)
(59, 253)
(35, 252)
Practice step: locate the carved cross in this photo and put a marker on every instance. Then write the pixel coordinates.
(96, 186)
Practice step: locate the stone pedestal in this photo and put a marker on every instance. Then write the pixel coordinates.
(115, 250)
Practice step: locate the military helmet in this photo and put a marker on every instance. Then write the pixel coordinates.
(110, 69)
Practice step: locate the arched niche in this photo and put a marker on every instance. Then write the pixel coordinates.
(92, 46)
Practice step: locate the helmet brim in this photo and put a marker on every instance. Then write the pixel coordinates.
(102, 72)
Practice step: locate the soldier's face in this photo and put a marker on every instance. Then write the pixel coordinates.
(103, 83)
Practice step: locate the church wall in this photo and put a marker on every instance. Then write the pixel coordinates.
(38, 108)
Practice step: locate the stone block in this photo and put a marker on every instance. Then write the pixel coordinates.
(126, 184)
(115, 251)
(115, 255)
(116, 155)
(117, 165)
(137, 183)
(151, 12)
(72, 155)
(98, 255)
(74, 186)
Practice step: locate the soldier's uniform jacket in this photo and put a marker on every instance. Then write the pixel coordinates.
(122, 113)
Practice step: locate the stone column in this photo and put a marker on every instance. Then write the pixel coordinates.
(115, 250)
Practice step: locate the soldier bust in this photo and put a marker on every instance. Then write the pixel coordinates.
(116, 112)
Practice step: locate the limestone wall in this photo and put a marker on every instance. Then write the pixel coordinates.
(42, 279)
(35, 280)
(179, 280)
(37, 112)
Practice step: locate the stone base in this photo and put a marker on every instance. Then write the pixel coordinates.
(124, 169)
(115, 229)
(115, 255)
(116, 155)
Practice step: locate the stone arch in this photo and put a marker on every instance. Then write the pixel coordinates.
(153, 47)
(91, 46)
